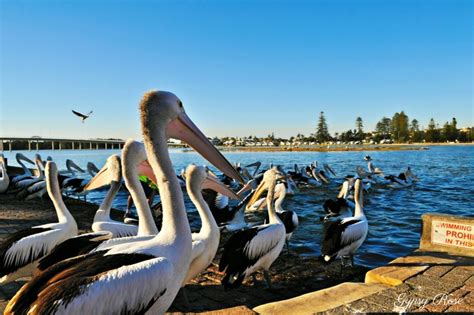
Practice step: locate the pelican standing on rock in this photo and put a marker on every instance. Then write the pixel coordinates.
(342, 238)
(142, 277)
(20, 251)
(257, 248)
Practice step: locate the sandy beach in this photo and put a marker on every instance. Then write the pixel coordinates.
(292, 275)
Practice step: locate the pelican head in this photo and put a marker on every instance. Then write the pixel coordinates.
(112, 171)
(269, 181)
(198, 176)
(160, 108)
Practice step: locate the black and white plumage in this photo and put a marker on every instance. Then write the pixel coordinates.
(27, 181)
(75, 246)
(206, 241)
(257, 248)
(143, 276)
(20, 251)
(288, 217)
(82, 116)
(74, 184)
(341, 207)
(20, 157)
(343, 237)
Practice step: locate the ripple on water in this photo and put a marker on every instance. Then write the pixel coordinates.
(394, 215)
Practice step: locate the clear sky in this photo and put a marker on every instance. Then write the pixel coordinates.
(240, 67)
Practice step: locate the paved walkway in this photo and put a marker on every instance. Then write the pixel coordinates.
(421, 282)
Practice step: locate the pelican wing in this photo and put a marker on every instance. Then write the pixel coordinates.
(79, 114)
(337, 235)
(75, 246)
(122, 240)
(353, 232)
(118, 229)
(96, 284)
(245, 248)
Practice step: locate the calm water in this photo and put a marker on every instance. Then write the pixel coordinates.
(446, 186)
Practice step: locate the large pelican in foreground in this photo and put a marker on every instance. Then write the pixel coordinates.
(257, 248)
(142, 277)
(20, 251)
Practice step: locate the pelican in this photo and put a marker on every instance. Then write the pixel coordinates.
(256, 248)
(142, 277)
(342, 206)
(74, 185)
(82, 116)
(206, 242)
(20, 251)
(133, 154)
(111, 174)
(405, 179)
(26, 171)
(25, 182)
(92, 169)
(288, 217)
(343, 237)
(4, 178)
(302, 180)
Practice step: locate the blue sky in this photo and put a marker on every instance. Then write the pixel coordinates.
(240, 67)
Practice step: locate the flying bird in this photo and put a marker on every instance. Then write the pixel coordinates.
(82, 116)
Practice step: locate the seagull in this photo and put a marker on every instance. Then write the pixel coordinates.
(82, 116)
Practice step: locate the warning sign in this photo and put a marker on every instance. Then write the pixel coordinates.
(452, 234)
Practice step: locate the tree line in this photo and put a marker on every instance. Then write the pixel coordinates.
(397, 129)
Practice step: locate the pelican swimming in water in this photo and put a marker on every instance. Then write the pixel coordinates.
(142, 277)
(254, 249)
(343, 237)
(20, 251)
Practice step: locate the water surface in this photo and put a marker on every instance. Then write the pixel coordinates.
(446, 186)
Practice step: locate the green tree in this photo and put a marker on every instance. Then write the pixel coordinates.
(399, 127)
(360, 128)
(383, 129)
(322, 133)
(432, 133)
(416, 135)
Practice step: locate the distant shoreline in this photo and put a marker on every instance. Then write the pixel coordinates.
(342, 148)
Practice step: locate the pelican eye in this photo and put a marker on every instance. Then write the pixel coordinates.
(180, 104)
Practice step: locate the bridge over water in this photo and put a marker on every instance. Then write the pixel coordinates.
(37, 143)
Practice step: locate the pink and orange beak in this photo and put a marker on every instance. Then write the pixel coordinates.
(184, 129)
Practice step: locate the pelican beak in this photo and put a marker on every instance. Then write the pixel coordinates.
(144, 168)
(213, 183)
(184, 129)
(211, 172)
(260, 189)
(331, 170)
(102, 178)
